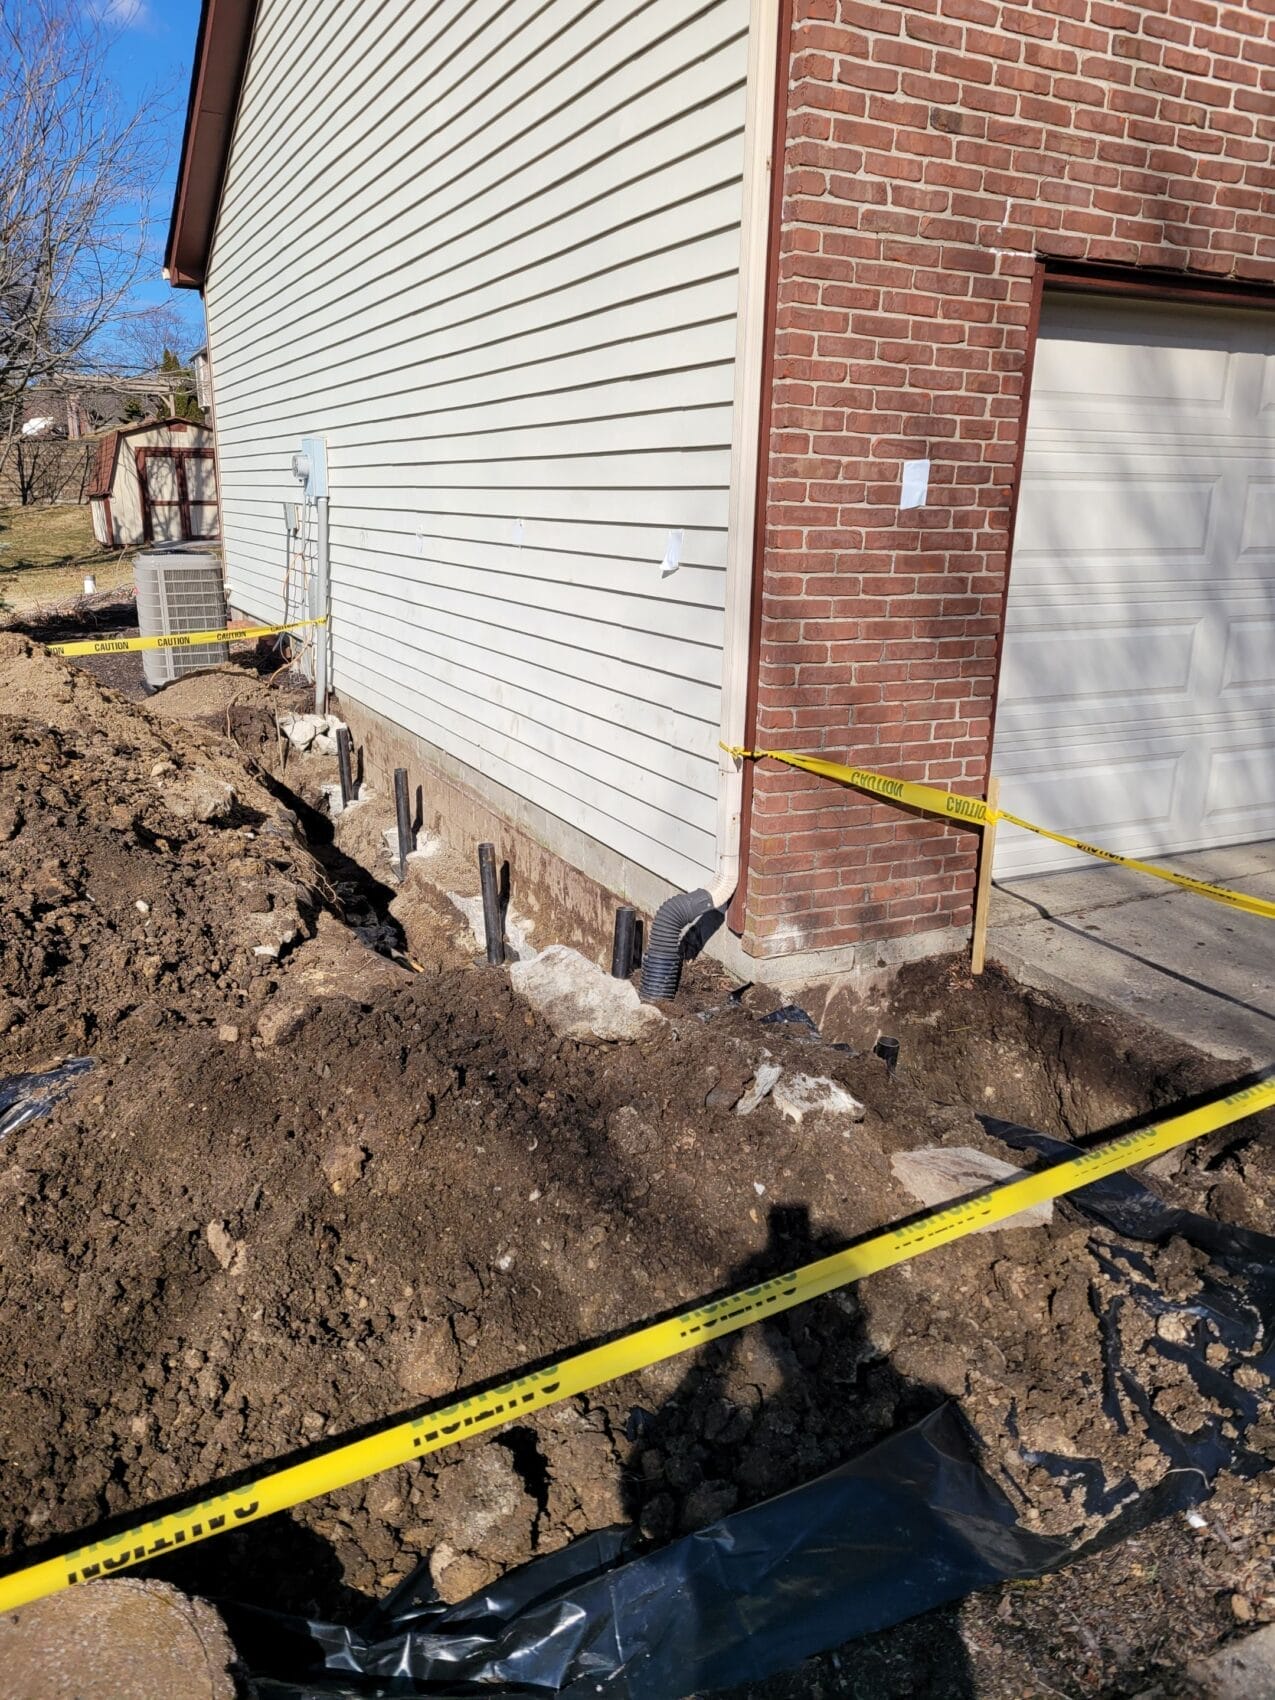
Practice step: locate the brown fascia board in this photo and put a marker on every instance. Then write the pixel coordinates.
(221, 52)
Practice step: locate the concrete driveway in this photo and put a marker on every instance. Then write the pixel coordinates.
(1187, 965)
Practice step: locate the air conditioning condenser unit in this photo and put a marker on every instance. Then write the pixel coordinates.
(179, 590)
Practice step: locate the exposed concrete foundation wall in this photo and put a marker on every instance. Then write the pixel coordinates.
(546, 856)
(548, 859)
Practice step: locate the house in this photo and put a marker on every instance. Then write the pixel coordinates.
(203, 382)
(78, 404)
(890, 382)
(154, 482)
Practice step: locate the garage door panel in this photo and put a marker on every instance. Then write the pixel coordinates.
(1101, 362)
(1250, 656)
(1136, 706)
(1238, 790)
(1257, 534)
(1093, 670)
(1075, 526)
(1117, 799)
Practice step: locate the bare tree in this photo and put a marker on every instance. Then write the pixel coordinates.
(49, 469)
(140, 337)
(77, 172)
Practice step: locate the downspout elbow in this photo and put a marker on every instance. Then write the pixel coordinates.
(662, 954)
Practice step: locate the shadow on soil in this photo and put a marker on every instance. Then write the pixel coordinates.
(116, 617)
(716, 1442)
(708, 1450)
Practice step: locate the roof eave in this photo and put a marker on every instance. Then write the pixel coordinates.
(221, 53)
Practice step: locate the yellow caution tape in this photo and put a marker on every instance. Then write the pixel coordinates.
(278, 1489)
(974, 811)
(178, 640)
(1205, 888)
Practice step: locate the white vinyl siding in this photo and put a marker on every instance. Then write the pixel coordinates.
(491, 254)
(1136, 707)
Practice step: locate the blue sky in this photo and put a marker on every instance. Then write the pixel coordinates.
(151, 45)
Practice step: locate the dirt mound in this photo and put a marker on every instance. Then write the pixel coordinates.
(150, 881)
(208, 696)
(1024, 1057)
(299, 1193)
(248, 1249)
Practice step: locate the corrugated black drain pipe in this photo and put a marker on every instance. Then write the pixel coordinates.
(662, 956)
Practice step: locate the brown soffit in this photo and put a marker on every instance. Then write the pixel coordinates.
(221, 52)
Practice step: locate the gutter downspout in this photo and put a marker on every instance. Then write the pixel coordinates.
(767, 84)
(736, 918)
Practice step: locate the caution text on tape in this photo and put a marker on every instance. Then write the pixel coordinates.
(974, 811)
(178, 640)
(277, 1489)
(1205, 888)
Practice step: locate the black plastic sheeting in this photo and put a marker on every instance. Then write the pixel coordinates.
(910, 1524)
(1234, 1308)
(25, 1097)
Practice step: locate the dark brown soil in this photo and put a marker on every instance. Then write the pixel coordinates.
(148, 876)
(303, 1192)
(109, 614)
(1023, 1057)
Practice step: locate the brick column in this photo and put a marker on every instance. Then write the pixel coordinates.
(934, 151)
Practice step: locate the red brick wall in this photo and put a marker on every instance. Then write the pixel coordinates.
(935, 149)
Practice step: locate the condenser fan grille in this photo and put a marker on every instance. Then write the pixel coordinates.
(179, 591)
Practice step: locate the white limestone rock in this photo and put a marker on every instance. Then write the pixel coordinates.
(939, 1173)
(302, 729)
(579, 1000)
(1240, 1670)
(802, 1095)
(759, 1087)
(517, 928)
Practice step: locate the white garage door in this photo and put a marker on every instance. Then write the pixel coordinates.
(1136, 705)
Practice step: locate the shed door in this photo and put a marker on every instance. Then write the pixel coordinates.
(1136, 706)
(198, 470)
(162, 494)
(181, 494)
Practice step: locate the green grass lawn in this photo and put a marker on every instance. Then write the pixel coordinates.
(45, 553)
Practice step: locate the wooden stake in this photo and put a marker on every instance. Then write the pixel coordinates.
(983, 893)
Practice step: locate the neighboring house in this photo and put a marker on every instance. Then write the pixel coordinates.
(633, 450)
(47, 411)
(81, 403)
(154, 482)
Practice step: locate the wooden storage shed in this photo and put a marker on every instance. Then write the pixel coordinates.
(155, 482)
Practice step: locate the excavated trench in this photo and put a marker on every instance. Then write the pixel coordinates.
(303, 1191)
